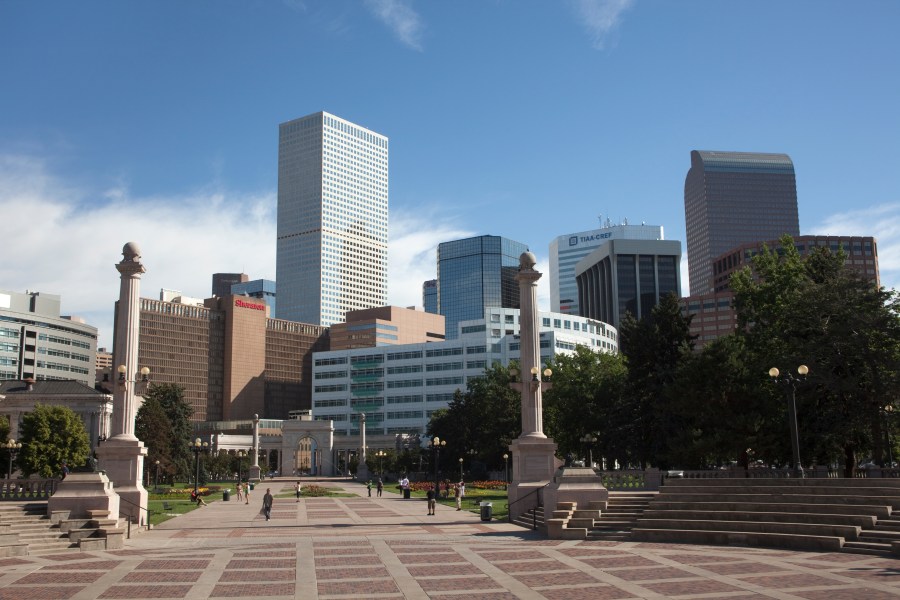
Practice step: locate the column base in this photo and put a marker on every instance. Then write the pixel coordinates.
(534, 462)
(122, 459)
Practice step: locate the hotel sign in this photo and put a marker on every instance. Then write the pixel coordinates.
(245, 304)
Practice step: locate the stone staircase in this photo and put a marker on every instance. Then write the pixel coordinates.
(531, 518)
(30, 531)
(622, 512)
(851, 515)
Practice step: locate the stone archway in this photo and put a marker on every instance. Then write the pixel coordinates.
(306, 446)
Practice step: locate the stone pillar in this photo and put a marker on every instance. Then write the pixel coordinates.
(254, 472)
(362, 470)
(122, 455)
(533, 453)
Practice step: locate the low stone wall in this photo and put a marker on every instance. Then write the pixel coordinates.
(23, 490)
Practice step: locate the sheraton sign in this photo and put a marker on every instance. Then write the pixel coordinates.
(245, 304)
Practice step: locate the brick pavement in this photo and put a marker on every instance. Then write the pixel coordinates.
(346, 548)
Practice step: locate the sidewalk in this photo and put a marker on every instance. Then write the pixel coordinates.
(360, 547)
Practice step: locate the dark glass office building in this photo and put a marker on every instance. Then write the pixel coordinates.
(476, 273)
(627, 276)
(733, 198)
(429, 296)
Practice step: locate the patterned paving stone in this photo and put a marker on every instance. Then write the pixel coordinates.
(166, 565)
(650, 574)
(42, 577)
(874, 574)
(351, 573)
(154, 577)
(541, 580)
(494, 556)
(362, 588)
(367, 549)
(478, 595)
(243, 590)
(12, 562)
(255, 576)
(340, 562)
(459, 584)
(94, 565)
(619, 561)
(146, 591)
(740, 568)
(697, 586)
(528, 566)
(261, 563)
(789, 581)
(429, 557)
(701, 559)
(854, 593)
(266, 554)
(597, 592)
(39, 593)
(440, 570)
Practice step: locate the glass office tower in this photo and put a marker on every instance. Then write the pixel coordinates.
(733, 198)
(332, 219)
(474, 274)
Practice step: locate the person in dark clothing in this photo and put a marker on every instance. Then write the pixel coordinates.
(431, 500)
(267, 504)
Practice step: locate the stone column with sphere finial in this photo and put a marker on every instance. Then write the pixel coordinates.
(122, 455)
(254, 473)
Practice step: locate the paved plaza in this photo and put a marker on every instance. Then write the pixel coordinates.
(360, 547)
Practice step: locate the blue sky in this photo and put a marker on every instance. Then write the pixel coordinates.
(157, 122)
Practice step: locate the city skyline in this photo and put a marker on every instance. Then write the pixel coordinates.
(158, 124)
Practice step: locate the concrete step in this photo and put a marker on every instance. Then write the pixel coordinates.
(848, 532)
(738, 538)
(869, 548)
(786, 517)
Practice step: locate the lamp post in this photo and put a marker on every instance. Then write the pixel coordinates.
(198, 446)
(436, 444)
(240, 456)
(888, 411)
(460, 468)
(506, 462)
(156, 482)
(12, 447)
(790, 382)
(381, 454)
(589, 439)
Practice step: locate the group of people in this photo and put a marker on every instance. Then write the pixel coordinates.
(459, 492)
(243, 493)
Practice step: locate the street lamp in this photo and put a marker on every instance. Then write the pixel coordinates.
(888, 411)
(13, 447)
(589, 439)
(122, 370)
(460, 468)
(156, 483)
(790, 382)
(240, 456)
(436, 444)
(381, 454)
(197, 446)
(506, 461)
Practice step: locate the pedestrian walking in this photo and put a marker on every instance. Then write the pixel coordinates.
(379, 487)
(240, 491)
(456, 494)
(369, 487)
(247, 494)
(298, 488)
(431, 501)
(267, 503)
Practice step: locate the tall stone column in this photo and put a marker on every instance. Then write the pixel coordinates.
(533, 453)
(122, 455)
(362, 469)
(254, 473)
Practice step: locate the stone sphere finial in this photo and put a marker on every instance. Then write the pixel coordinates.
(131, 251)
(527, 260)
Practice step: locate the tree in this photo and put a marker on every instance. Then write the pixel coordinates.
(585, 398)
(163, 423)
(52, 435)
(486, 418)
(816, 311)
(655, 347)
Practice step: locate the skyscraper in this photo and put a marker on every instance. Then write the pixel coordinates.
(627, 276)
(474, 274)
(332, 219)
(732, 198)
(566, 250)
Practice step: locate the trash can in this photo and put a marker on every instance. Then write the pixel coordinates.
(226, 495)
(251, 486)
(487, 511)
(406, 493)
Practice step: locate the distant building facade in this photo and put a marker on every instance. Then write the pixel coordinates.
(566, 250)
(36, 342)
(475, 274)
(627, 276)
(332, 219)
(400, 387)
(232, 361)
(429, 296)
(732, 198)
(222, 282)
(386, 326)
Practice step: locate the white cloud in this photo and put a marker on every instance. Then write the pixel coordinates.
(600, 17)
(881, 222)
(400, 18)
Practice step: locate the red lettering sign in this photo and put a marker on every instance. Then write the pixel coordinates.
(244, 304)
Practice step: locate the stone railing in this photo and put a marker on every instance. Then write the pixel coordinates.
(631, 479)
(23, 490)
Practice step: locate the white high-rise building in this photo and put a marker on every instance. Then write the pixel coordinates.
(566, 250)
(332, 219)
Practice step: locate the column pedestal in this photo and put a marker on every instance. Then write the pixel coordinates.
(534, 463)
(81, 492)
(122, 459)
(581, 485)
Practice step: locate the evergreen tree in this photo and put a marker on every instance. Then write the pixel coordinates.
(163, 423)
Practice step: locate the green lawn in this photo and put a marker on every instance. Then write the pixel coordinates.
(471, 503)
